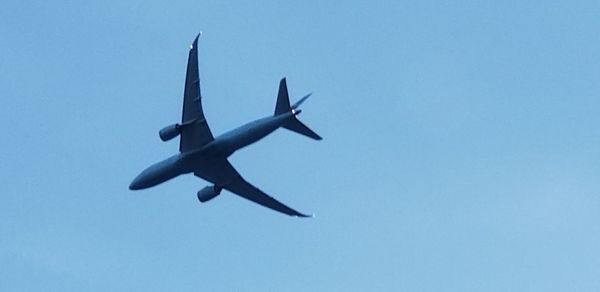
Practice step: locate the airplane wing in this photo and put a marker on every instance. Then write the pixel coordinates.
(195, 132)
(223, 174)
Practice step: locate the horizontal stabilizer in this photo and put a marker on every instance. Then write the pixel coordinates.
(297, 126)
(298, 103)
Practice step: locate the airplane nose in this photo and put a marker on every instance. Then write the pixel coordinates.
(135, 184)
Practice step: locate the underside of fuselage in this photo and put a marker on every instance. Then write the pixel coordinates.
(197, 160)
(158, 173)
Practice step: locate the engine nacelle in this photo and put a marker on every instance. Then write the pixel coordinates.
(169, 132)
(208, 193)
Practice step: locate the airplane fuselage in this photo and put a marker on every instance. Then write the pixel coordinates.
(222, 147)
(240, 137)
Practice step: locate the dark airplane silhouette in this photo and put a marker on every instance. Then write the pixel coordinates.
(206, 156)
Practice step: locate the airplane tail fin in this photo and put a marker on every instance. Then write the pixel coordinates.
(283, 106)
(283, 99)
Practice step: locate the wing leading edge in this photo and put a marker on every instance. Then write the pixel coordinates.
(196, 132)
(223, 174)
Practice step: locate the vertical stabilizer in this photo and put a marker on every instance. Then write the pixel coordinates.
(283, 99)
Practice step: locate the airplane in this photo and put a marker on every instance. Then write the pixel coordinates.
(206, 156)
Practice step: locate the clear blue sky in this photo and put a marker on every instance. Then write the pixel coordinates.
(461, 146)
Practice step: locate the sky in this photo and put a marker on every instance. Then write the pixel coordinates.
(460, 152)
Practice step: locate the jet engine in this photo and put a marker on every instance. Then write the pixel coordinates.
(169, 132)
(208, 193)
